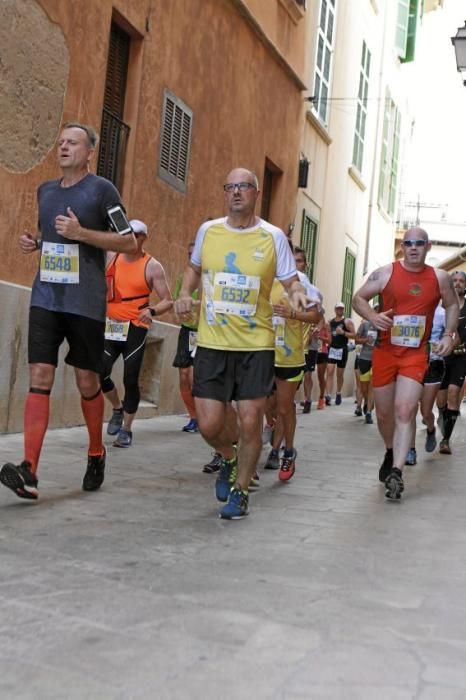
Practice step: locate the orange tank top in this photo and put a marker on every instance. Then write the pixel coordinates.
(413, 296)
(127, 288)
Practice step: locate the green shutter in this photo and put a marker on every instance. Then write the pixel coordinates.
(402, 21)
(348, 281)
(309, 243)
(412, 28)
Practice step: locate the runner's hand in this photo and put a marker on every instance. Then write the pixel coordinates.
(300, 302)
(183, 306)
(384, 320)
(28, 243)
(444, 346)
(69, 226)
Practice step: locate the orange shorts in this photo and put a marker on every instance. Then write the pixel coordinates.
(386, 366)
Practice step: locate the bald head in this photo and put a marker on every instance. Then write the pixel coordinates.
(243, 175)
(416, 233)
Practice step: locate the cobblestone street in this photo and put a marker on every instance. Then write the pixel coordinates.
(325, 591)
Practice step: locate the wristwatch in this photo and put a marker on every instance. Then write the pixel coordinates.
(153, 312)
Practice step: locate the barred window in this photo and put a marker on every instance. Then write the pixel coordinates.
(175, 141)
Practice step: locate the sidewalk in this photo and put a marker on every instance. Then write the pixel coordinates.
(326, 591)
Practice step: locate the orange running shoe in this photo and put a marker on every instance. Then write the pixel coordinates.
(287, 466)
(321, 404)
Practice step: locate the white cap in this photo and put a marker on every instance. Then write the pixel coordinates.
(138, 226)
(340, 304)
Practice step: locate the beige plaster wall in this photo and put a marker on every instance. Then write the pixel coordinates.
(159, 380)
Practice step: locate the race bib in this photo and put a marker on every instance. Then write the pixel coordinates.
(408, 331)
(192, 343)
(116, 330)
(59, 262)
(278, 324)
(235, 294)
(335, 354)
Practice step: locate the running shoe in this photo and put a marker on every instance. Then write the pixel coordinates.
(328, 400)
(338, 400)
(357, 411)
(394, 485)
(115, 422)
(307, 407)
(431, 441)
(273, 460)
(214, 465)
(411, 457)
(321, 404)
(124, 438)
(226, 478)
(20, 479)
(191, 427)
(267, 434)
(237, 506)
(254, 483)
(94, 476)
(287, 466)
(368, 418)
(444, 448)
(386, 466)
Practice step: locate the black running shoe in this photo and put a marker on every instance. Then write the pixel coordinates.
(386, 466)
(20, 479)
(94, 476)
(214, 464)
(394, 485)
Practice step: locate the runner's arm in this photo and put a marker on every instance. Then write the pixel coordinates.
(158, 283)
(452, 310)
(70, 228)
(375, 284)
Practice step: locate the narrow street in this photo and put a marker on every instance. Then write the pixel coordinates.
(325, 591)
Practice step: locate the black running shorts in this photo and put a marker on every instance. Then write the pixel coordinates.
(455, 371)
(435, 372)
(230, 375)
(48, 330)
(183, 357)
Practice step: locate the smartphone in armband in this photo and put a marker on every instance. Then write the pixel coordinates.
(118, 220)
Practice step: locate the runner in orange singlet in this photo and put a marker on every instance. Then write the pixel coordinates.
(410, 291)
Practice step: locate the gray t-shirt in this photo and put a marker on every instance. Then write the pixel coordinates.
(367, 329)
(89, 199)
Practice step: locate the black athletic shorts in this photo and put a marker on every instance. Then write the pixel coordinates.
(230, 375)
(311, 360)
(322, 358)
(48, 330)
(435, 372)
(356, 363)
(290, 374)
(339, 363)
(364, 366)
(455, 371)
(183, 357)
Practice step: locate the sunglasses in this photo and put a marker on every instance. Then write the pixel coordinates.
(418, 242)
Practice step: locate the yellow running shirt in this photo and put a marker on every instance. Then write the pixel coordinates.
(289, 335)
(238, 270)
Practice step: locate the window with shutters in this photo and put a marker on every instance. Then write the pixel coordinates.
(114, 132)
(324, 58)
(348, 280)
(309, 243)
(361, 110)
(175, 141)
(388, 177)
(406, 28)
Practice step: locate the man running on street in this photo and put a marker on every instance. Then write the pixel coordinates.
(131, 277)
(410, 291)
(238, 257)
(68, 299)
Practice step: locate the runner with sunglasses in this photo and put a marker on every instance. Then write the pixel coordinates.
(409, 291)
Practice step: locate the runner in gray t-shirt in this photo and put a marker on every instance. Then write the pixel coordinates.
(366, 337)
(68, 301)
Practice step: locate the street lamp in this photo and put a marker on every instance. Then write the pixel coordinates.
(459, 42)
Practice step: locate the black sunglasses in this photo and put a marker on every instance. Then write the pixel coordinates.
(418, 242)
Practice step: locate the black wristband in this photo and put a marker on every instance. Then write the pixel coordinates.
(153, 312)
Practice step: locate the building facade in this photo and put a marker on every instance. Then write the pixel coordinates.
(181, 92)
